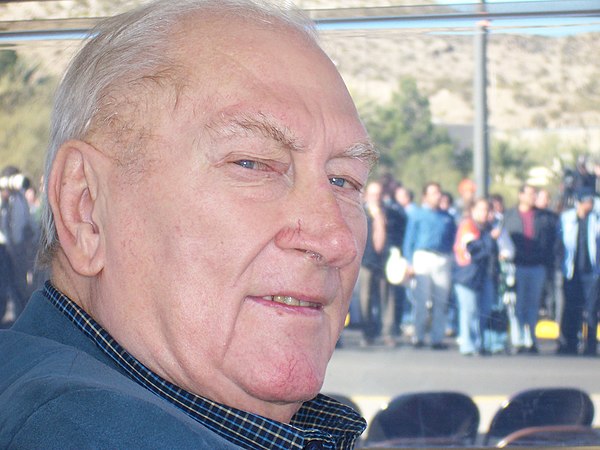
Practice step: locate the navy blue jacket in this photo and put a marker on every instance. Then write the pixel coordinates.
(483, 251)
(59, 391)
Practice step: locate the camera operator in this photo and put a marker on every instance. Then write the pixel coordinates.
(7, 283)
(18, 232)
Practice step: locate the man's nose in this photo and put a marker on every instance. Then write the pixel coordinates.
(318, 228)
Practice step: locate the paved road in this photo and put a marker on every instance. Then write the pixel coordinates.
(371, 376)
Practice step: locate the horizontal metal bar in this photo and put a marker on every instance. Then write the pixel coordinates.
(357, 21)
(50, 35)
(347, 19)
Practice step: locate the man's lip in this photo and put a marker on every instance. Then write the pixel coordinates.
(289, 300)
(293, 300)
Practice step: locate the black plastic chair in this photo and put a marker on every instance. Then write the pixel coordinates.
(344, 400)
(425, 419)
(552, 435)
(541, 407)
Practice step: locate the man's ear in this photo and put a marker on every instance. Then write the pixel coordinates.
(73, 195)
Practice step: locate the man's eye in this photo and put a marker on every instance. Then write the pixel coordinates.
(250, 164)
(342, 182)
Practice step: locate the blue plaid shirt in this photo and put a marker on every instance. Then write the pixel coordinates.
(321, 423)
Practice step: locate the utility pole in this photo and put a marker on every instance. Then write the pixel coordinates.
(480, 126)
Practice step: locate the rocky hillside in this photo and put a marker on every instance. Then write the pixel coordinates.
(535, 81)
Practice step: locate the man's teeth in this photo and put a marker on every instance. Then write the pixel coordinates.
(290, 301)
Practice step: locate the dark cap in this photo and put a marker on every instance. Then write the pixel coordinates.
(584, 194)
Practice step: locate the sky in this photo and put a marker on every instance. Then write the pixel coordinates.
(552, 25)
(557, 26)
(447, 2)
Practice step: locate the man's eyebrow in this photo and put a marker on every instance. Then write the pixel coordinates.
(364, 151)
(271, 129)
(257, 123)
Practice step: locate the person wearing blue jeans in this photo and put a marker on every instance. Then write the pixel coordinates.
(529, 287)
(428, 248)
(475, 251)
(533, 233)
(579, 234)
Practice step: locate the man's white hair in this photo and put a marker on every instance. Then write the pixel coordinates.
(131, 47)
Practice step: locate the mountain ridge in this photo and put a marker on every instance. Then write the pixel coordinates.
(540, 82)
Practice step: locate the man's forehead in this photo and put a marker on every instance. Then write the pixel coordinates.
(253, 51)
(210, 34)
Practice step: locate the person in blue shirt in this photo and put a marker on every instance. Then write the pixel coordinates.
(428, 248)
(204, 228)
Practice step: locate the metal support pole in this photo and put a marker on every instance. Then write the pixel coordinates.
(480, 125)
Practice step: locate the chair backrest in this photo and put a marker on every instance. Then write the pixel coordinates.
(344, 400)
(426, 415)
(552, 435)
(541, 407)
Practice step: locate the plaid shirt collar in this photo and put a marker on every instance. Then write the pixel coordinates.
(321, 423)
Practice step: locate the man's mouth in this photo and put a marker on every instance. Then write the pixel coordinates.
(290, 301)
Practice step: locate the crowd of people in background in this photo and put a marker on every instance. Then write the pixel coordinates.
(469, 268)
(473, 270)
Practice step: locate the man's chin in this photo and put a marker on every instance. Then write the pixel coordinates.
(295, 385)
(287, 370)
(290, 385)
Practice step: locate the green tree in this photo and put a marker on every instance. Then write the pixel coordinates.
(25, 102)
(412, 147)
(509, 162)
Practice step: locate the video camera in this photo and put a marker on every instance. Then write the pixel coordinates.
(13, 182)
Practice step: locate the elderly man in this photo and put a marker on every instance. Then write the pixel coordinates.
(205, 231)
